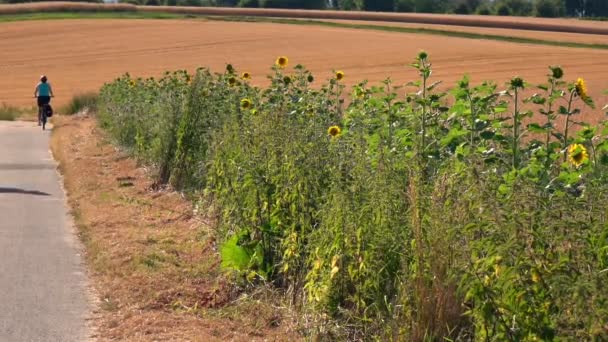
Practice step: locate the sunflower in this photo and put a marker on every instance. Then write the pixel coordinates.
(246, 76)
(577, 154)
(581, 88)
(339, 75)
(334, 131)
(245, 104)
(132, 83)
(232, 81)
(282, 62)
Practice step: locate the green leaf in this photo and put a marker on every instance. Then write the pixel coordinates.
(501, 108)
(536, 128)
(234, 256)
(453, 135)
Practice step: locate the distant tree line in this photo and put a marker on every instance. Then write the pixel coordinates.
(540, 8)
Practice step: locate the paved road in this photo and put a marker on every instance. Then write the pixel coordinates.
(42, 284)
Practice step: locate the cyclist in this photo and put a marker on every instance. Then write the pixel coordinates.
(43, 92)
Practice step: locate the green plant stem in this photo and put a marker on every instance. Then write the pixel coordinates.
(568, 122)
(549, 121)
(516, 130)
(473, 118)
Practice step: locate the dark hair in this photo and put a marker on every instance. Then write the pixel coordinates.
(43, 79)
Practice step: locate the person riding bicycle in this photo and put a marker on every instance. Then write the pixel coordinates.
(43, 92)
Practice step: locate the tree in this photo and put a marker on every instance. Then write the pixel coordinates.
(518, 7)
(405, 6)
(462, 8)
(503, 9)
(597, 8)
(549, 8)
(296, 4)
(575, 7)
(350, 5)
(431, 6)
(379, 5)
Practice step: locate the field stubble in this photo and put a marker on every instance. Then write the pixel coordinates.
(108, 48)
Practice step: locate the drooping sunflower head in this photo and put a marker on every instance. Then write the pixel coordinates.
(557, 72)
(517, 82)
(310, 78)
(245, 104)
(282, 62)
(334, 131)
(339, 75)
(581, 88)
(577, 154)
(287, 80)
(246, 76)
(232, 81)
(423, 55)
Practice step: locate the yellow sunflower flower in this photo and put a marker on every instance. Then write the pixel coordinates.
(334, 131)
(339, 75)
(535, 277)
(246, 76)
(581, 88)
(132, 83)
(282, 62)
(245, 104)
(577, 154)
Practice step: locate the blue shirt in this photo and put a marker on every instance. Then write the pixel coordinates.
(44, 89)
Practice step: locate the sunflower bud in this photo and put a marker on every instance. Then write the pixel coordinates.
(422, 55)
(517, 82)
(557, 72)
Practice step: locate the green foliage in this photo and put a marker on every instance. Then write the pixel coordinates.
(405, 6)
(503, 9)
(549, 8)
(297, 4)
(79, 102)
(249, 3)
(379, 5)
(392, 211)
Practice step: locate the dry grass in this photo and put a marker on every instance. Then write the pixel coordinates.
(151, 260)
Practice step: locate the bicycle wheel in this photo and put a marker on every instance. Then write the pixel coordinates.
(43, 117)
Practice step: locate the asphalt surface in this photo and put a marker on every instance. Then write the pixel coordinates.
(42, 280)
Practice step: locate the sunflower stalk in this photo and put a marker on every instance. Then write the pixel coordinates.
(567, 126)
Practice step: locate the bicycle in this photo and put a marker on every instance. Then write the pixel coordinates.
(42, 115)
(44, 112)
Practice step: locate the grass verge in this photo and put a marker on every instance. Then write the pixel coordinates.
(12, 113)
(80, 102)
(150, 258)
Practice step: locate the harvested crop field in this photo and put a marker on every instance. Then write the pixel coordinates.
(80, 55)
(530, 34)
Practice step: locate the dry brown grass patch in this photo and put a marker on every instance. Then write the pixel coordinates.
(152, 262)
